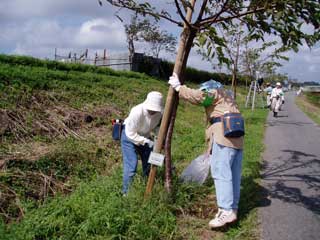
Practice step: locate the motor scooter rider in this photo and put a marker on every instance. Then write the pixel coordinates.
(277, 97)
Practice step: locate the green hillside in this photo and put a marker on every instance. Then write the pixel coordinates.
(60, 171)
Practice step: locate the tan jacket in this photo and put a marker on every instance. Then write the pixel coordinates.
(222, 103)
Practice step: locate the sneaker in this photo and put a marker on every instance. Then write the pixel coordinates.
(218, 213)
(223, 218)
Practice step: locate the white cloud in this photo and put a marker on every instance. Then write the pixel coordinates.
(303, 65)
(101, 33)
(40, 38)
(312, 68)
(20, 10)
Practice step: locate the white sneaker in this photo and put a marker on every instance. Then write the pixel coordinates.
(218, 213)
(222, 218)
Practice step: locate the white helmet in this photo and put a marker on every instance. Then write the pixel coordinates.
(154, 102)
(278, 84)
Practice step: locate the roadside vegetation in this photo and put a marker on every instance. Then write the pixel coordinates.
(309, 103)
(60, 171)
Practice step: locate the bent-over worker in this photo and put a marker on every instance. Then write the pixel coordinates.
(136, 136)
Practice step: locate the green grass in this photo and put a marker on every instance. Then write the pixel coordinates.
(96, 209)
(309, 103)
(314, 98)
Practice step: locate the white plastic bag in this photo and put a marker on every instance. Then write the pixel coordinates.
(198, 170)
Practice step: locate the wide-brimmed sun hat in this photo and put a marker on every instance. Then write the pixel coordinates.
(154, 102)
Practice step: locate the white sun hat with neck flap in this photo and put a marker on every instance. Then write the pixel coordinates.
(154, 102)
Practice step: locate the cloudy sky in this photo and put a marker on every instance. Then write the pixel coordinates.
(37, 27)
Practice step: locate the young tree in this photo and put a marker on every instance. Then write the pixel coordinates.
(227, 53)
(159, 40)
(262, 59)
(146, 30)
(283, 18)
(135, 31)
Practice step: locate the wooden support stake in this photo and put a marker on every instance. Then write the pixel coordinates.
(180, 60)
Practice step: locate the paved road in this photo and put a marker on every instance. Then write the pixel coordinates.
(290, 208)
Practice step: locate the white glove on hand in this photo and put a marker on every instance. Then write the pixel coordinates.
(149, 142)
(174, 82)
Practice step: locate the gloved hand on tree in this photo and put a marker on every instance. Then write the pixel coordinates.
(174, 82)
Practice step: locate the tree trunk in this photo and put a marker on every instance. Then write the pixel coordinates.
(234, 83)
(168, 159)
(235, 67)
(188, 47)
(185, 45)
(131, 50)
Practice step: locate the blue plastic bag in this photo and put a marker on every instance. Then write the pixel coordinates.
(211, 84)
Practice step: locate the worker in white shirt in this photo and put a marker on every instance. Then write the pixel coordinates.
(277, 97)
(136, 136)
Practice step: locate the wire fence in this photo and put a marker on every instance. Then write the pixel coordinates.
(120, 61)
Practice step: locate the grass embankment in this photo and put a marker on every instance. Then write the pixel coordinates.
(78, 157)
(309, 103)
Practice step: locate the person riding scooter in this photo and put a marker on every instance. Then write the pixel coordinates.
(277, 97)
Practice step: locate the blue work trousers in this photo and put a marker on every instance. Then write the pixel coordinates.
(226, 164)
(130, 153)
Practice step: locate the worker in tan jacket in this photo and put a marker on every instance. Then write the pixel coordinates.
(226, 158)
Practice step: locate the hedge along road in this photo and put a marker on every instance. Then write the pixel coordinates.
(290, 208)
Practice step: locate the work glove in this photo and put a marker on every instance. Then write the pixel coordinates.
(149, 142)
(174, 82)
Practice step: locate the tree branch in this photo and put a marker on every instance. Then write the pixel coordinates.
(216, 20)
(146, 12)
(203, 7)
(182, 16)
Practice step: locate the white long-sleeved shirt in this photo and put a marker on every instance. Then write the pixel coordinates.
(139, 124)
(277, 92)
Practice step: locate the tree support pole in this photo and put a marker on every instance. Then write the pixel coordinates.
(181, 58)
